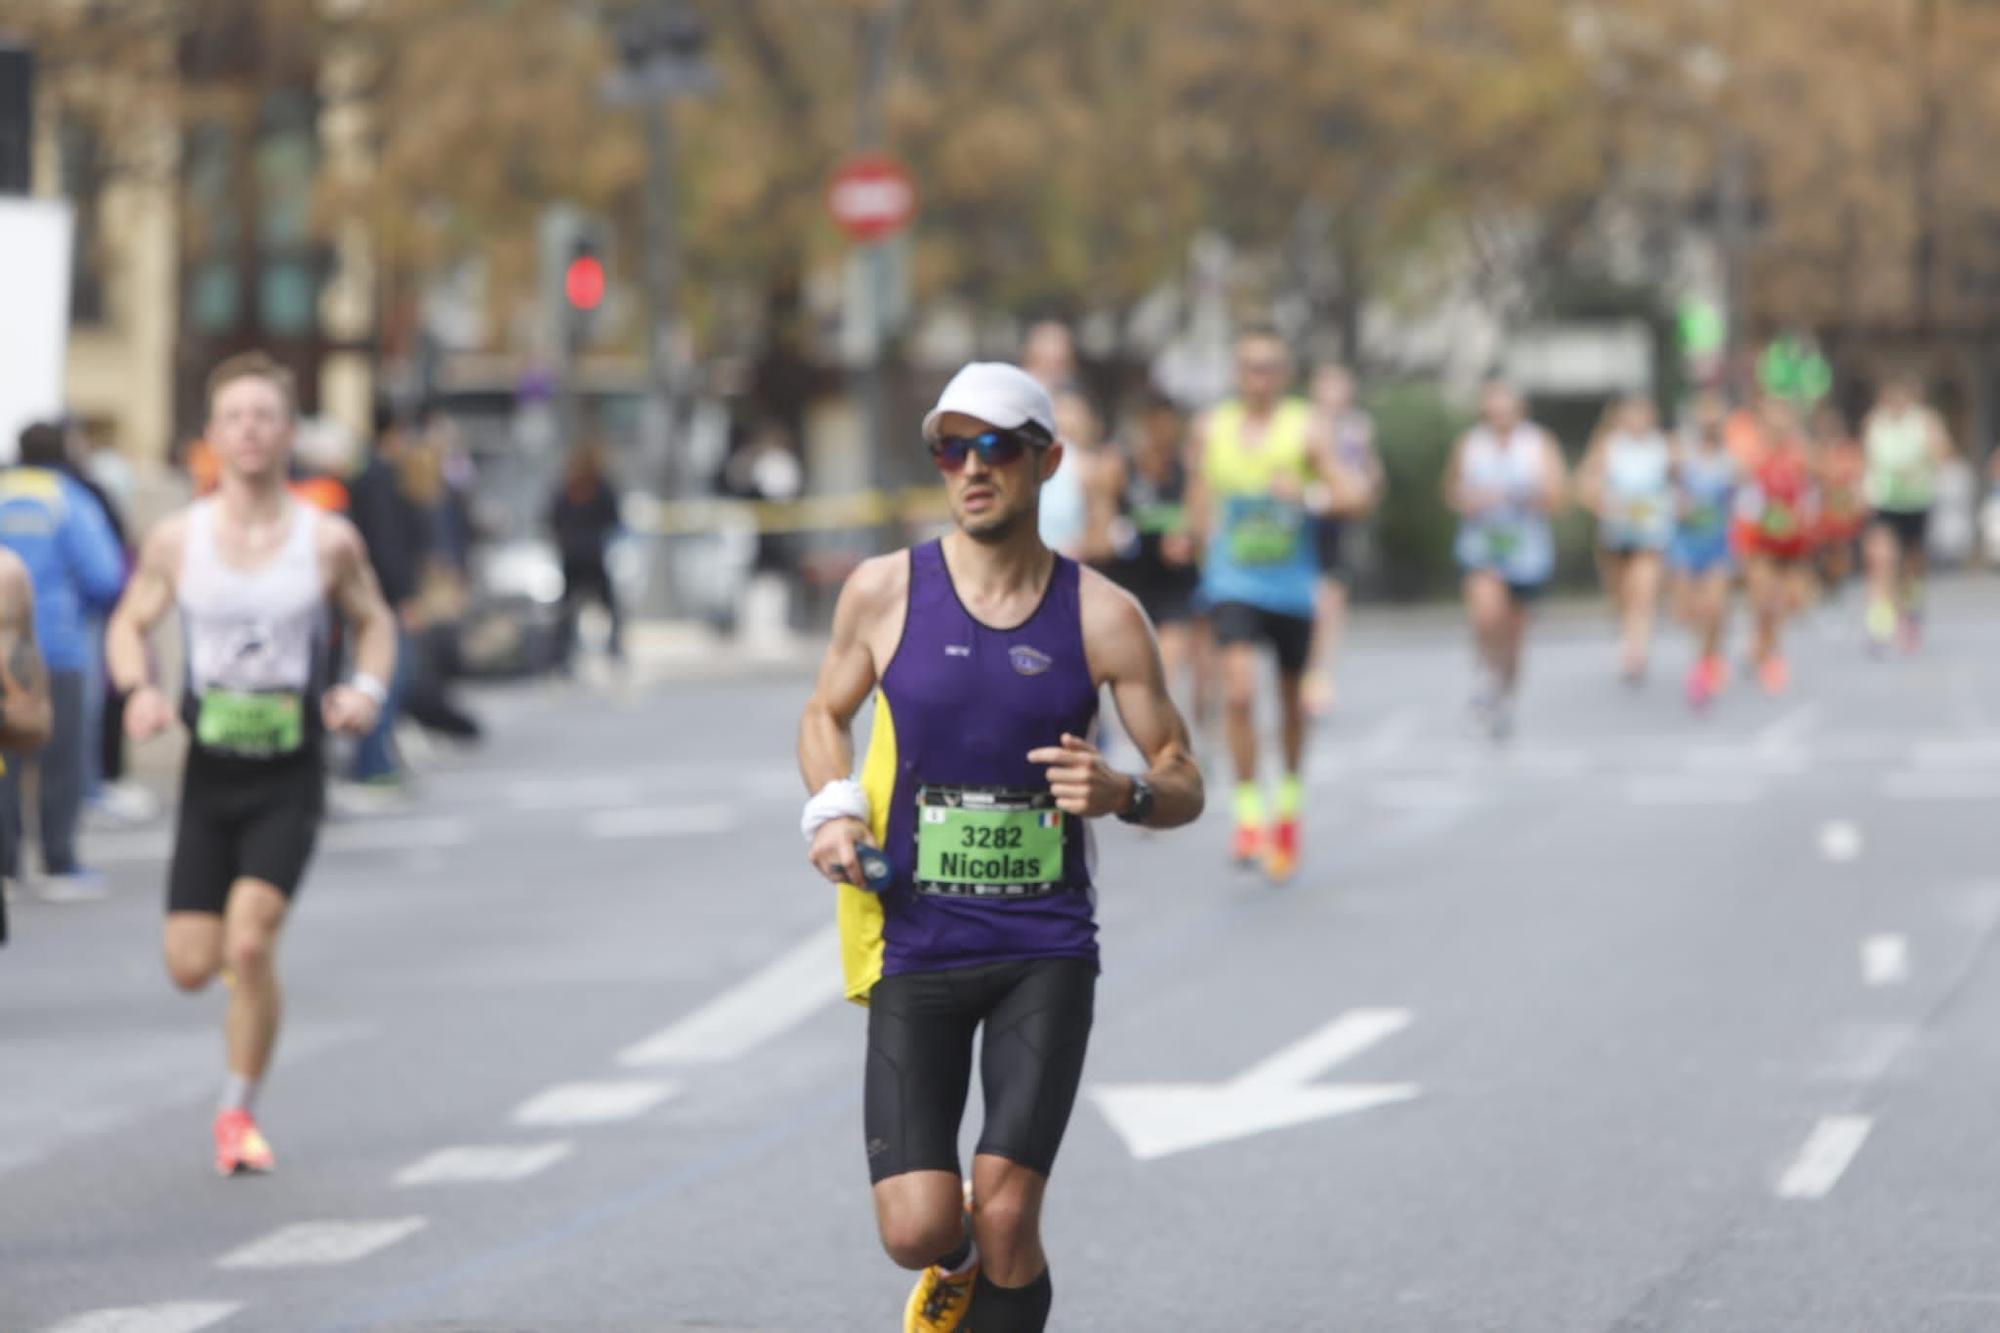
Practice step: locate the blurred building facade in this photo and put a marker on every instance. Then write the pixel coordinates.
(197, 236)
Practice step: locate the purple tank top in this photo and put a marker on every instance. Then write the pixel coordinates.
(966, 703)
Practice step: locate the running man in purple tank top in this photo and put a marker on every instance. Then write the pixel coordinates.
(984, 653)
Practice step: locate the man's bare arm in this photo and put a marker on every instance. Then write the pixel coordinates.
(359, 598)
(1124, 654)
(148, 597)
(25, 715)
(848, 673)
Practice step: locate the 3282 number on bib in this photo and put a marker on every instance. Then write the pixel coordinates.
(988, 842)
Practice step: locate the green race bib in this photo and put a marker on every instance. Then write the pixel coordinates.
(1779, 521)
(988, 842)
(1503, 542)
(1703, 518)
(252, 725)
(1261, 539)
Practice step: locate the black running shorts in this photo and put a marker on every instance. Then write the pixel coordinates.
(1291, 637)
(1910, 527)
(1037, 1016)
(254, 818)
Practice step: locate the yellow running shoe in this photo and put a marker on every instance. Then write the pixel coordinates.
(940, 1301)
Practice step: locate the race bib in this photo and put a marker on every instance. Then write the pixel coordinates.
(1908, 489)
(1266, 536)
(251, 725)
(988, 842)
(1703, 518)
(1641, 512)
(1779, 521)
(1504, 542)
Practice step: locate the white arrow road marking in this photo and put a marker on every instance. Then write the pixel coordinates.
(168, 1317)
(484, 1163)
(320, 1244)
(661, 821)
(782, 995)
(1885, 960)
(591, 1103)
(1159, 1119)
(1825, 1156)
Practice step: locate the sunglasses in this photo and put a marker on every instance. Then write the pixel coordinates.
(996, 448)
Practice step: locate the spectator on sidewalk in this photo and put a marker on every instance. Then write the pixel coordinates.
(104, 790)
(62, 535)
(584, 517)
(397, 537)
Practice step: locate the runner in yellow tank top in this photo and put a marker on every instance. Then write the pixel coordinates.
(1256, 457)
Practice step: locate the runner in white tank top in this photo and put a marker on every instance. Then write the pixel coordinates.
(1506, 480)
(252, 572)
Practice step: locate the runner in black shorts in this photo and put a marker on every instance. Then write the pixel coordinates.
(985, 652)
(252, 572)
(1156, 546)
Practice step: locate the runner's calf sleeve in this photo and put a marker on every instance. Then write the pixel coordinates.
(998, 1309)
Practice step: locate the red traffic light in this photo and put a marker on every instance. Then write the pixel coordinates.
(583, 282)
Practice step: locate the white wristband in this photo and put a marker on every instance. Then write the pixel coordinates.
(839, 799)
(363, 683)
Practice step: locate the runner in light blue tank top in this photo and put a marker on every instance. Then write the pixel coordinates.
(1627, 481)
(1505, 479)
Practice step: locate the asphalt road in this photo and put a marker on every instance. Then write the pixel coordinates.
(1641, 1022)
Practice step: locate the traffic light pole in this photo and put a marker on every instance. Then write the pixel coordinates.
(662, 264)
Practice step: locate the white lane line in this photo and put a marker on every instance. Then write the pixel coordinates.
(321, 1244)
(483, 1162)
(1784, 734)
(1840, 840)
(578, 793)
(1824, 1157)
(1744, 759)
(1956, 754)
(1941, 785)
(591, 1103)
(786, 992)
(1885, 960)
(397, 835)
(661, 821)
(167, 1317)
(1692, 790)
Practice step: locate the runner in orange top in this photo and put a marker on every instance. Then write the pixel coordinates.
(1777, 517)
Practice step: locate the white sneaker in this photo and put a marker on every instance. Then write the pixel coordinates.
(127, 803)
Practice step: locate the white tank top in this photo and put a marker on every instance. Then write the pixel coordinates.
(255, 639)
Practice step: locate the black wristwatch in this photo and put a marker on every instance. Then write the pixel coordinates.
(1140, 807)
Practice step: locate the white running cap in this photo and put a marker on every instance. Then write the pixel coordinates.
(1003, 396)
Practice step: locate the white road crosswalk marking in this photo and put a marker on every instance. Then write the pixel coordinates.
(321, 1244)
(1839, 841)
(592, 1103)
(782, 995)
(1824, 1157)
(483, 1163)
(167, 1317)
(662, 821)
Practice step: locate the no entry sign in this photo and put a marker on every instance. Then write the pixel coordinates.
(871, 197)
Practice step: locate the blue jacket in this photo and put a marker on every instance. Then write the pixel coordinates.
(61, 534)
